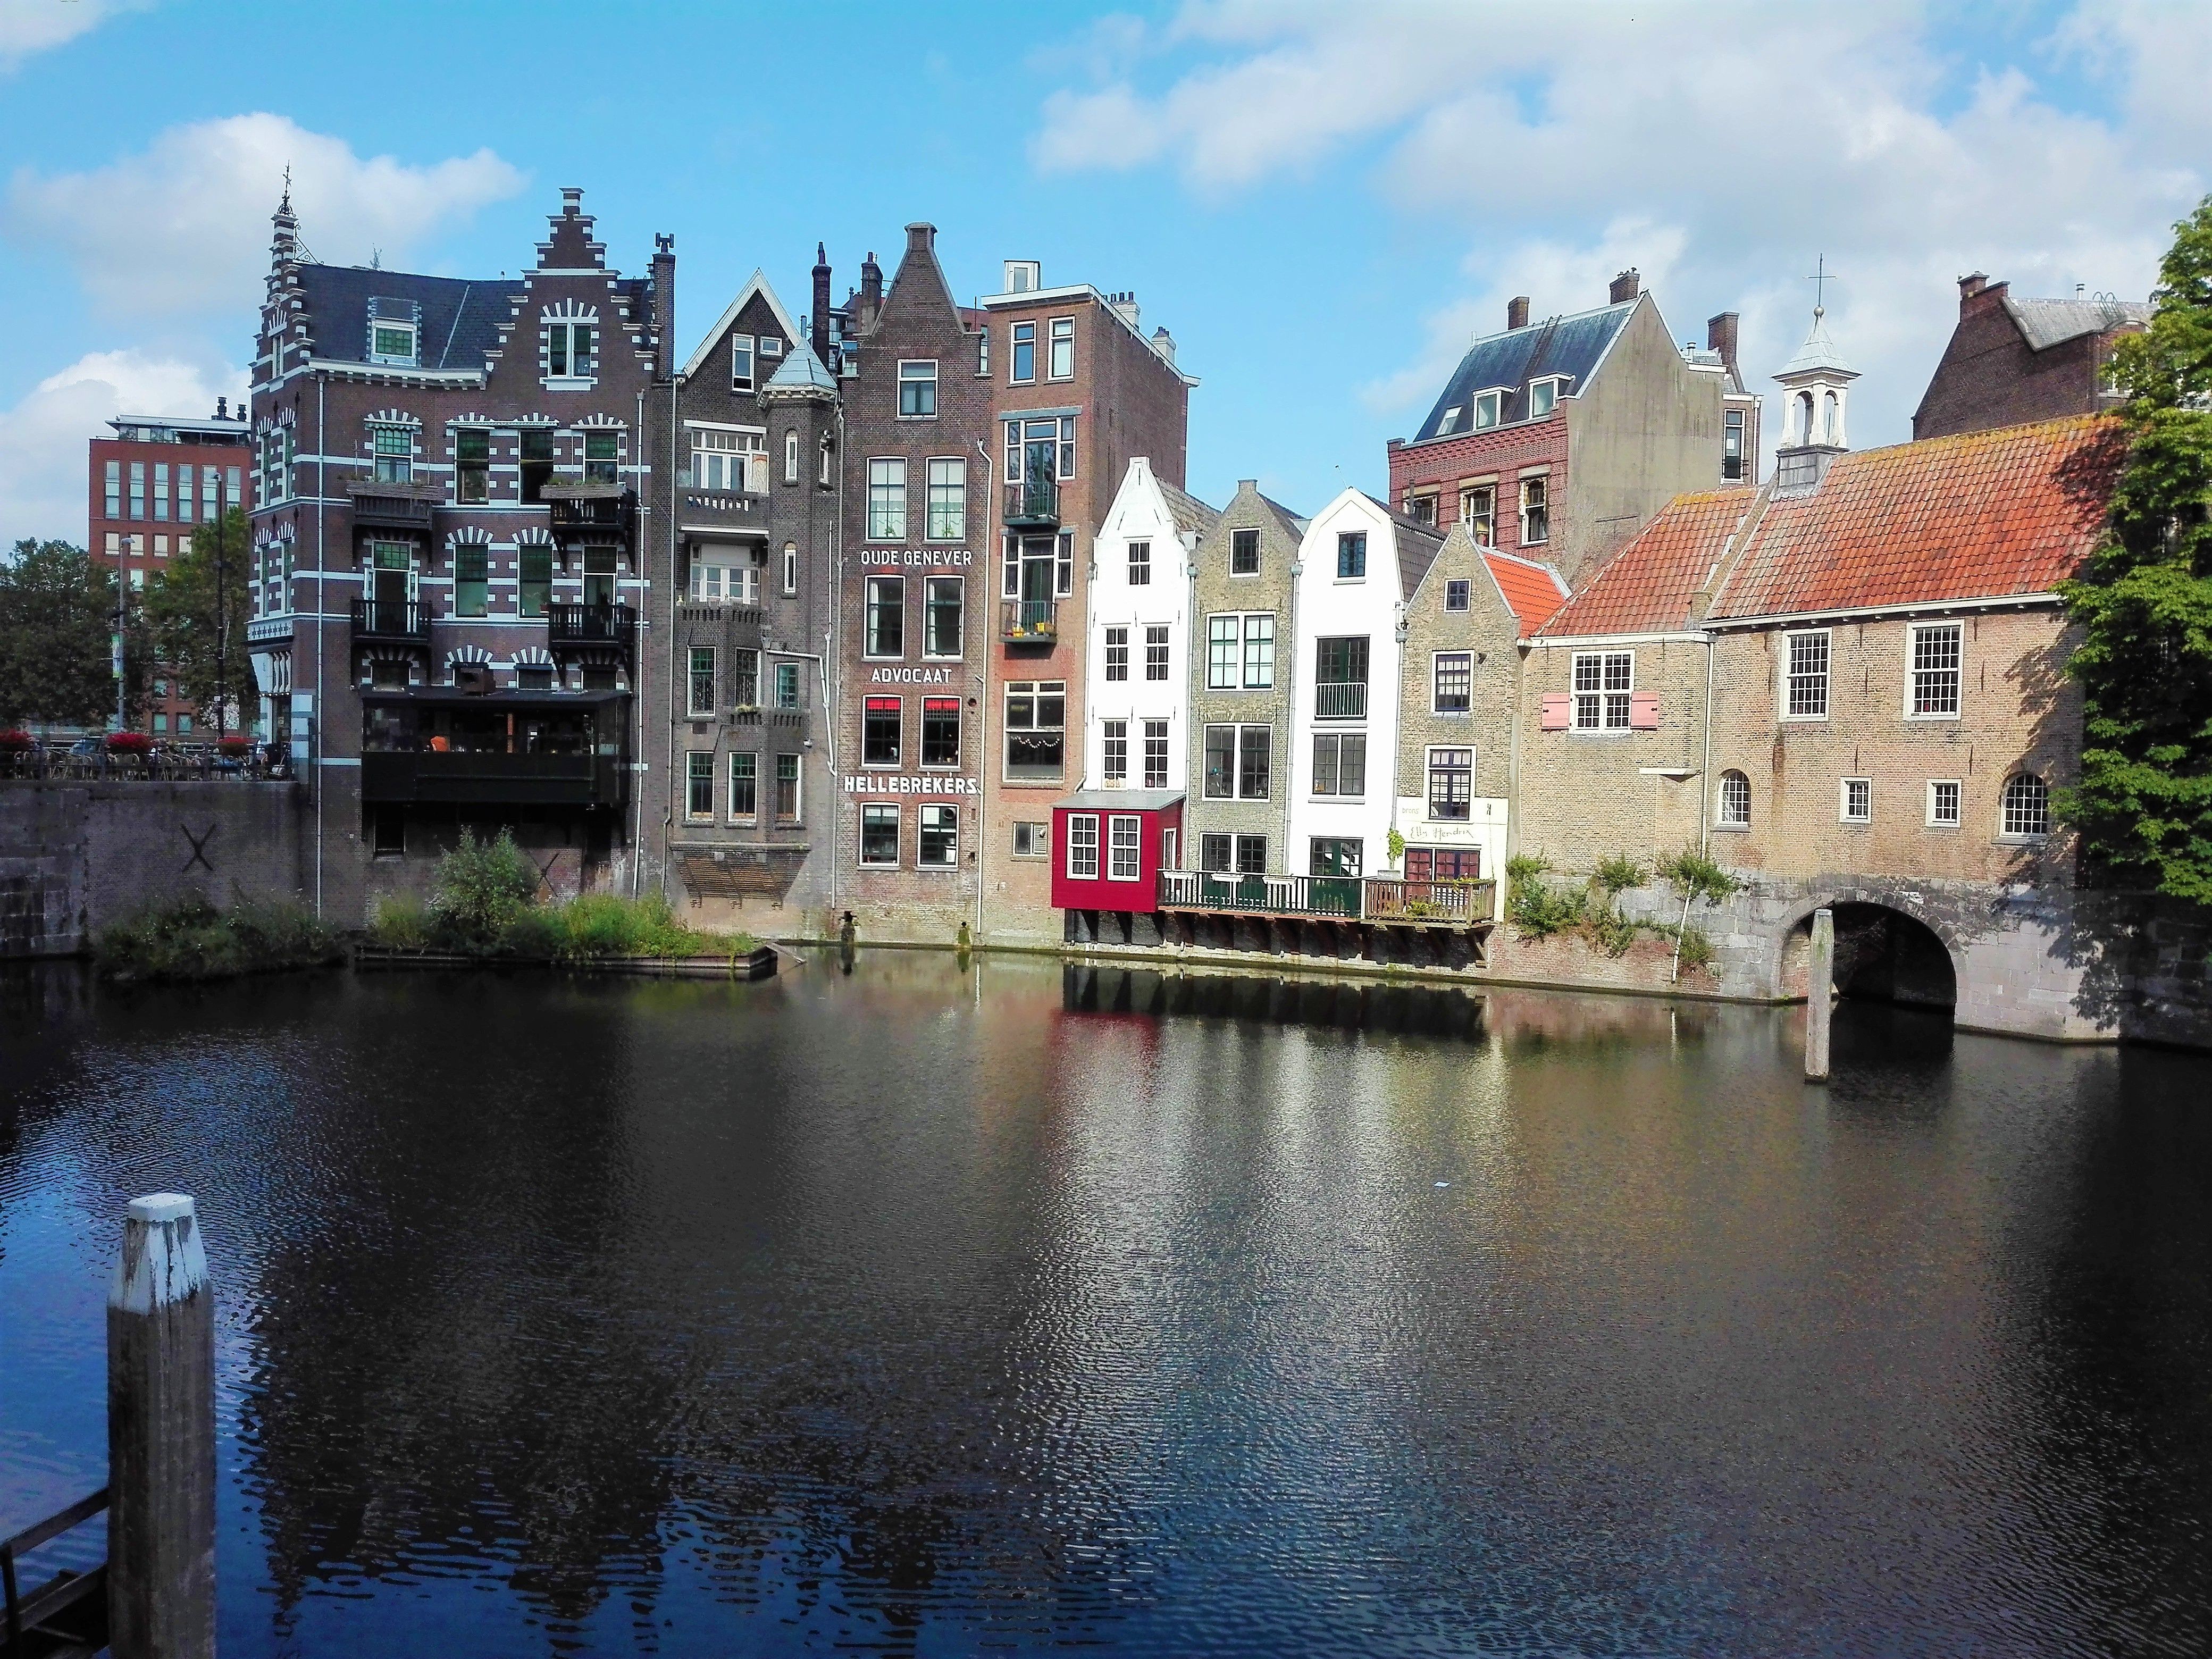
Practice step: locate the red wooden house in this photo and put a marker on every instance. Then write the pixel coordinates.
(1108, 847)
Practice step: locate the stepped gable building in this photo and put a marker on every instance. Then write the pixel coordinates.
(1558, 439)
(1860, 678)
(1078, 390)
(2011, 361)
(448, 565)
(742, 797)
(1236, 815)
(149, 487)
(1458, 703)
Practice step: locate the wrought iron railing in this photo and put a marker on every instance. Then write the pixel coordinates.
(1340, 700)
(1025, 622)
(391, 619)
(1033, 502)
(571, 623)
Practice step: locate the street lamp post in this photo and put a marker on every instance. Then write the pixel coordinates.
(222, 622)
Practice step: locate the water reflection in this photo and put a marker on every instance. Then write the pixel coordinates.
(942, 1305)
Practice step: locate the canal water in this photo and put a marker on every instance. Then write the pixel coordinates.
(932, 1310)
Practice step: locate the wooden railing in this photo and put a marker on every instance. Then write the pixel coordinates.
(1340, 898)
(1449, 903)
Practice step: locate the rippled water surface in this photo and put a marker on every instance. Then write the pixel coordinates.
(925, 1310)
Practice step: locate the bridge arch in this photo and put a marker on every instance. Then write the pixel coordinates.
(1884, 953)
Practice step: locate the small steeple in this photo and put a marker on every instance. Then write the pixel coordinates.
(1816, 386)
(284, 244)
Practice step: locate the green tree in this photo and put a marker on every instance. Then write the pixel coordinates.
(201, 646)
(57, 614)
(2143, 806)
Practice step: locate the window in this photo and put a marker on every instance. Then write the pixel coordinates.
(742, 367)
(1454, 681)
(822, 474)
(1116, 735)
(879, 836)
(886, 500)
(940, 731)
(184, 495)
(1486, 407)
(115, 489)
(138, 481)
(1444, 864)
(535, 446)
(572, 350)
(1334, 855)
(886, 608)
(1237, 763)
(1156, 651)
(791, 567)
(1215, 853)
(940, 838)
(1459, 593)
(948, 501)
(1032, 841)
(534, 564)
(745, 786)
(1036, 729)
(392, 343)
(471, 465)
(1140, 564)
(771, 345)
(1259, 651)
(1943, 803)
(791, 456)
(787, 685)
(184, 726)
(1422, 508)
(1155, 754)
(917, 390)
(393, 447)
(1937, 651)
(1449, 423)
(602, 458)
(1735, 801)
(714, 580)
(1806, 693)
(1082, 847)
(1123, 858)
(161, 722)
(1603, 680)
(533, 676)
(1023, 368)
(1063, 570)
(879, 733)
(700, 705)
(1855, 800)
(1243, 552)
(160, 491)
(1117, 653)
(1451, 784)
(983, 349)
(1543, 398)
(1062, 366)
(699, 783)
(470, 578)
(1041, 451)
(786, 788)
(744, 679)
(1221, 638)
(1340, 678)
(1352, 555)
(943, 603)
(1732, 446)
(2027, 806)
(1535, 512)
(1341, 763)
(1251, 855)
(723, 459)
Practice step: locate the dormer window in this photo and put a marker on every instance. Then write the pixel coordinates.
(394, 332)
(1487, 405)
(1450, 422)
(1543, 397)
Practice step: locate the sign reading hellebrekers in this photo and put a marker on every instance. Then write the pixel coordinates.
(896, 783)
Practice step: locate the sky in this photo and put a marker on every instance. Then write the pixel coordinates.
(1322, 203)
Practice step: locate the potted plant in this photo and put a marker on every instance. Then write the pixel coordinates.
(16, 742)
(130, 743)
(235, 747)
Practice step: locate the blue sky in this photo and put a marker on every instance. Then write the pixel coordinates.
(1322, 203)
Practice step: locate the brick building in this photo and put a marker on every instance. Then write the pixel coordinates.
(448, 564)
(2012, 360)
(148, 488)
(1559, 440)
(741, 803)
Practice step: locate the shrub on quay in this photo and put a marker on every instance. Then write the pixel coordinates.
(194, 939)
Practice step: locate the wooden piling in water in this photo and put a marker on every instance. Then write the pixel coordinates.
(161, 1437)
(1819, 995)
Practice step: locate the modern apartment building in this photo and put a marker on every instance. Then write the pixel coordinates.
(449, 566)
(149, 487)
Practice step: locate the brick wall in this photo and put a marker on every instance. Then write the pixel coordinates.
(1989, 376)
(1216, 591)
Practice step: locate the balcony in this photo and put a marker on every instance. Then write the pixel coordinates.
(1033, 504)
(1335, 898)
(573, 628)
(493, 779)
(390, 505)
(580, 509)
(1436, 903)
(401, 621)
(1340, 700)
(456, 747)
(1030, 622)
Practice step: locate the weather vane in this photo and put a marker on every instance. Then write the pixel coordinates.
(1820, 278)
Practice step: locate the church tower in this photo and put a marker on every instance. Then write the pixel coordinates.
(1816, 388)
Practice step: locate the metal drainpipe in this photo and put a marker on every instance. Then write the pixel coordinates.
(1290, 712)
(322, 585)
(1706, 773)
(637, 795)
(831, 684)
(983, 739)
(668, 811)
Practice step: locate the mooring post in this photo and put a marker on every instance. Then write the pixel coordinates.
(161, 1437)
(1819, 995)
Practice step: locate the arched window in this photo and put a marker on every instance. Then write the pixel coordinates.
(1735, 801)
(2027, 806)
(1804, 420)
(1831, 421)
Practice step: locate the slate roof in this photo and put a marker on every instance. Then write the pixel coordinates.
(2046, 323)
(1819, 352)
(799, 373)
(1571, 346)
(1650, 584)
(1418, 546)
(1189, 513)
(1533, 592)
(458, 320)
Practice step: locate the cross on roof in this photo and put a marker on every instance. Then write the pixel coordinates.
(1820, 278)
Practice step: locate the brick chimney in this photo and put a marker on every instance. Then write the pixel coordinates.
(871, 289)
(664, 308)
(1721, 336)
(1978, 293)
(1625, 286)
(1517, 311)
(920, 237)
(820, 320)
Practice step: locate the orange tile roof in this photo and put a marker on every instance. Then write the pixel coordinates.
(1978, 515)
(1532, 592)
(1648, 587)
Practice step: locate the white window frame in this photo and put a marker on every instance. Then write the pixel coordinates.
(1489, 402)
(771, 345)
(1958, 788)
(566, 329)
(1015, 342)
(1845, 787)
(1125, 835)
(1038, 835)
(1159, 652)
(791, 567)
(869, 586)
(1603, 697)
(1722, 819)
(1535, 498)
(950, 815)
(1554, 387)
(2023, 837)
(791, 456)
(745, 363)
(1083, 849)
(960, 585)
(1914, 633)
(894, 479)
(1447, 423)
(1156, 732)
(1113, 752)
(1788, 672)
(409, 358)
(929, 380)
(1059, 335)
(1113, 664)
(954, 468)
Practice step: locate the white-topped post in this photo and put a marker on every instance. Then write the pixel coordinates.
(1819, 995)
(161, 1437)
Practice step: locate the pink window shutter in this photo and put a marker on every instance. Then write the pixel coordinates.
(1556, 709)
(1643, 711)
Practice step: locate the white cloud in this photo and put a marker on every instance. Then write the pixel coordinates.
(184, 226)
(28, 26)
(42, 439)
(1724, 146)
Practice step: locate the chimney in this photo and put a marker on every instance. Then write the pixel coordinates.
(221, 409)
(1625, 286)
(571, 201)
(664, 308)
(1244, 484)
(1125, 303)
(1972, 284)
(1163, 343)
(1517, 311)
(820, 320)
(1721, 336)
(1977, 293)
(920, 237)
(871, 289)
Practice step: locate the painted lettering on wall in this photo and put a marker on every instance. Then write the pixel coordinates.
(914, 558)
(891, 783)
(910, 676)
